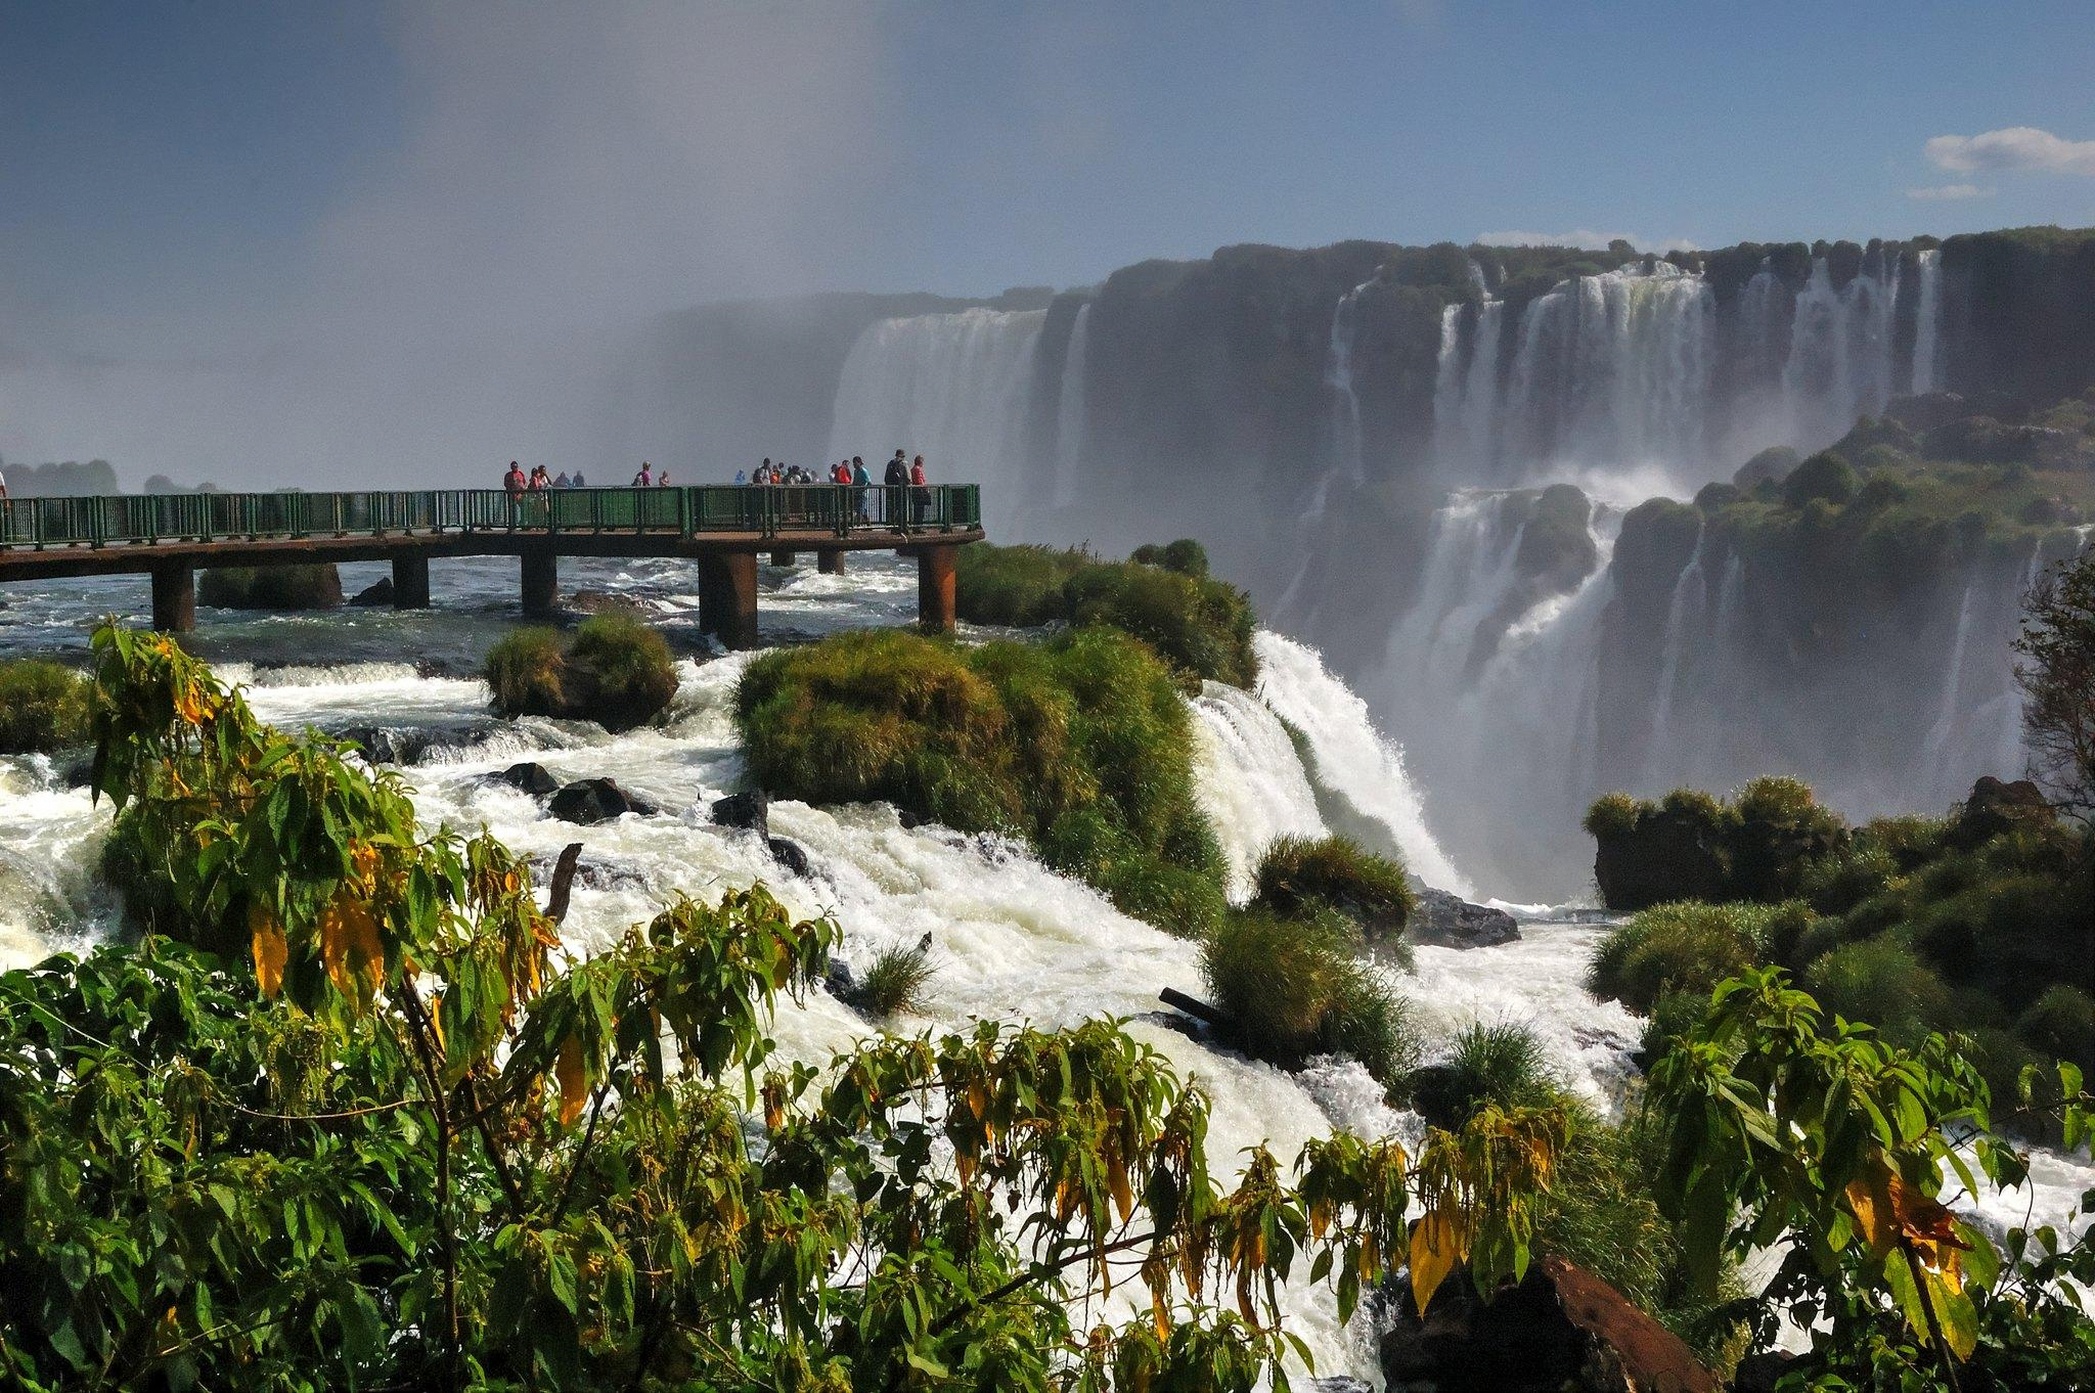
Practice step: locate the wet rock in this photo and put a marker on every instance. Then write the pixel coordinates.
(379, 593)
(531, 778)
(1443, 920)
(910, 821)
(596, 800)
(382, 745)
(1561, 1328)
(1995, 807)
(790, 855)
(750, 811)
(604, 602)
(841, 981)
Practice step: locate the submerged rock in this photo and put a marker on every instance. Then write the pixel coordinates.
(596, 800)
(750, 811)
(531, 778)
(379, 592)
(1562, 1328)
(789, 854)
(1440, 919)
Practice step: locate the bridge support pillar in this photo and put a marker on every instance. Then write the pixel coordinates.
(174, 597)
(935, 589)
(411, 582)
(784, 558)
(541, 577)
(830, 562)
(727, 597)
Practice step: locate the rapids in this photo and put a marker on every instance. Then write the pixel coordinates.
(1011, 939)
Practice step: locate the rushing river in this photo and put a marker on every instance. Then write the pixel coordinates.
(1011, 939)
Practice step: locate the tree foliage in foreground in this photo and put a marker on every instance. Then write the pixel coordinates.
(2056, 671)
(348, 1118)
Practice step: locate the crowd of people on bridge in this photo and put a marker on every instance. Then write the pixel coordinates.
(904, 493)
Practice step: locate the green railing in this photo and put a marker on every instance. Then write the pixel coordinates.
(686, 512)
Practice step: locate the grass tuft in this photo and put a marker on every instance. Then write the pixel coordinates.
(895, 980)
(43, 707)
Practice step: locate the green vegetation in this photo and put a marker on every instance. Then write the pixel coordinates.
(317, 586)
(387, 1136)
(1201, 626)
(615, 671)
(1080, 744)
(1500, 1066)
(895, 980)
(1298, 875)
(1293, 987)
(2056, 671)
(1690, 846)
(1682, 947)
(43, 707)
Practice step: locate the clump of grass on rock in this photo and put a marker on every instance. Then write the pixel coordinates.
(43, 707)
(1079, 744)
(1683, 947)
(894, 981)
(1298, 874)
(614, 670)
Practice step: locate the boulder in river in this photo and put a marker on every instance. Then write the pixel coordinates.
(531, 778)
(1443, 920)
(379, 592)
(751, 811)
(1561, 1328)
(596, 800)
(789, 854)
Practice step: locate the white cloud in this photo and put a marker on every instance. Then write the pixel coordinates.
(2016, 147)
(1944, 193)
(1583, 237)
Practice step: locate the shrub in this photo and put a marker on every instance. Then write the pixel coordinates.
(1297, 874)
(317, 586)
(1770, 466)
(1879, 980)
(1080, 744)
(616, 671)
(1682, 947)
(1292, 988)
(1018, 585)
(1824, 477)
(895, 980)
(1201, 627)
(1690, 846)
(1779, 829)
(43, 707)
(2061, 1023)
(1186, 556)
(1501, 1066)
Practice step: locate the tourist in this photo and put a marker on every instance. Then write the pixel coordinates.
(580, 482)
(895, 479)
(921, 481)
(561, 481)
(741, 478)
(514, 482)
(842, 473)
(645, 477)
(540, 480)
(861, 488)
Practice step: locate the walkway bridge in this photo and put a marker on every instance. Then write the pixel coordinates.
(722, 527)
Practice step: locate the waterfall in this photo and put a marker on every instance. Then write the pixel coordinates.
(1952, 681)
(1683, 617)
(1349, 757)
(1251, 781)
(1612, 374)
(1840, 356)
(1347, 446)
(1465, 385)
(1070, 415)
(1448, 372)
(954, 388)
(1927, 324)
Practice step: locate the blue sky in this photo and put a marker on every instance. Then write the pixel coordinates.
(192, 181)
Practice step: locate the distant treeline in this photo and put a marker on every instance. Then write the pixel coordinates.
(78, 479)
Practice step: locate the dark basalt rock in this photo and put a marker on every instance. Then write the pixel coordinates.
(1443, 920)
(379, 593)
(531, 778)
(750, 811)
(840, 980)
(789, 854)
(604, 602)
(596, 800)
(383, 746)
(1995, 807)
(1560, 1329)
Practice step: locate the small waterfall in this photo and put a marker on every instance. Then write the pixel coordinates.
(1070, 415)
(1347, 445)
(1927, 324)
(1448, 373)
(1350, 757)
(1465, 385)
(1939, 734)
(1251, 782)
(1840, 355)
(954, 388)
(1683, 619)
(1612, 373)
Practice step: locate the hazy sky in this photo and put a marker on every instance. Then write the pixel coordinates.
(400, 187)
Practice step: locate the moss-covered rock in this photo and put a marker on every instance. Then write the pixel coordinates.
(613, 670)
(43, 707)
(1825, 477)
(314, 586)
(1299, 875)
(1760, 847)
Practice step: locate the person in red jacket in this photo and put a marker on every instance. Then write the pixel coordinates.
(920, 485)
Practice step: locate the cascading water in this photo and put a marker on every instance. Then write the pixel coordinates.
(1348, 448)
(1251, 780)
(1070, 418)
(1684, 615)
(1927, 324)
(955, 388)
(1465, 386)
(1840, 356)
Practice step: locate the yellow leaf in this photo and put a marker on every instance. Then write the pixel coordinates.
(1435, 1249)
(270, 949)
(568, 1070)
(350, 949)
(1869, 1200)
